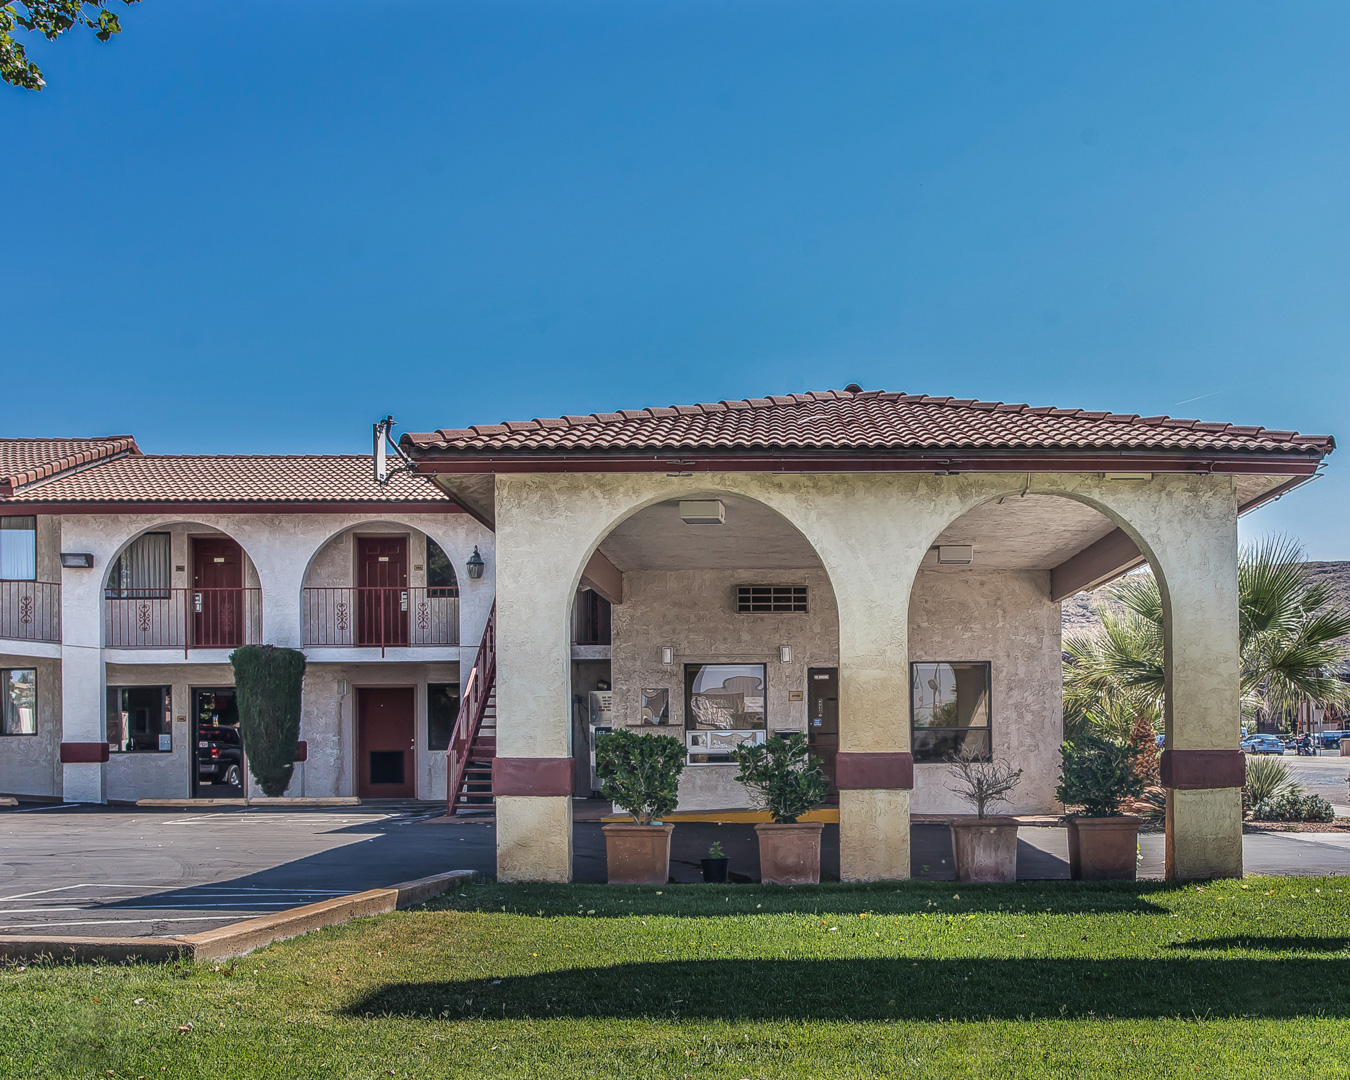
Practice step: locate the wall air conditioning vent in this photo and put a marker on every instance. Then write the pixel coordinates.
(770, 599)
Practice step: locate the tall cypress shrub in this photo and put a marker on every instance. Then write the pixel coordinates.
(267, 686)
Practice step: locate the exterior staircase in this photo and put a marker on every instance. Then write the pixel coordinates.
(473, 743)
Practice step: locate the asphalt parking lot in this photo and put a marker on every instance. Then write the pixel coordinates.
(141, 872)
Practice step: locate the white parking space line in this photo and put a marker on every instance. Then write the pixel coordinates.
(78, 885)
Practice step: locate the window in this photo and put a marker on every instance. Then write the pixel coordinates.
(949, 710)
(441, 580)
(18, 701)
(139, 719)
(141, 572)
(724, 706)
(442, 710)
(770, 599)
(18, 548)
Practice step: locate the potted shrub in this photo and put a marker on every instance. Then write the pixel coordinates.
(984, 847)
(641, 775)
(715, 864)
(784, 778)
(1096, 776)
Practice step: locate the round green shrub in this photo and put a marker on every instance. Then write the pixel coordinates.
(783, 774)
(1291, 806)
(641, 773)
(1098, 775)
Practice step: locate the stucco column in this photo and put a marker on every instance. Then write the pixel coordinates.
(1203, 769)
(1187, 525)
(84, 745)
(532, 773)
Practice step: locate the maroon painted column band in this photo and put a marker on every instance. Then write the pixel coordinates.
(532, 776)
(84, 753)
(1196, 770)
(854, 771)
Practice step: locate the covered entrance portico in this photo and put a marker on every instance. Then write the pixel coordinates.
(870, 505)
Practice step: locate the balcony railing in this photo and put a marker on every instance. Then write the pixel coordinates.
(380, 617)
(182, 618)
(30, 610)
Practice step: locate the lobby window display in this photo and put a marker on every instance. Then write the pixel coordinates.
(724, 707)
(949, 710)
(18, 701)
(140, 719)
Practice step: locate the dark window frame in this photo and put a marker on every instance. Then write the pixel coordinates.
(988, 726)
(450, 731)
(166, 701)
(5, 675)
(10, 525)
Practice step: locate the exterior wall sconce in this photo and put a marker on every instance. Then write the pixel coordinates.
(77, 560)
(667, 655)
(475, 564)
(956, 554)
(785, 654)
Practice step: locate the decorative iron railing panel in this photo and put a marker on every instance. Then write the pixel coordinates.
(182, 618)
(30, 610)
(379, 617)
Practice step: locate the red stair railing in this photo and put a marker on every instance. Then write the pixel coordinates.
(477, 693)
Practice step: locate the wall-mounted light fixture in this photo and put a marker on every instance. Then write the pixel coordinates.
(702, 511)
(785, 654)
(475, 564)
(342, 688)
(667, 655)
(77, 560)
(956, 554)
(1127, 476)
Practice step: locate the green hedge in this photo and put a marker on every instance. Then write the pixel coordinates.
(267, 684)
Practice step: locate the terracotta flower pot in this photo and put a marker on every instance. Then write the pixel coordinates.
(637, 854)
(789, 854)
(1103, 848)
(985, 848)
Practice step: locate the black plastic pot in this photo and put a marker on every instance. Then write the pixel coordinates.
(715, 870)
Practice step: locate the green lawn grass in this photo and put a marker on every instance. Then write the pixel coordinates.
(1231, 979)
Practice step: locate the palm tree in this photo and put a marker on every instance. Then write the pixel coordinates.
(1291, 638)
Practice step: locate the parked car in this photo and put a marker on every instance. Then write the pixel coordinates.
(1262, 744)
(1330, 740)
(220, 755)
(1160, 741)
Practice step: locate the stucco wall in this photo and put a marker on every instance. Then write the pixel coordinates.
(694, 612)
(31, 764)
(1005, 618)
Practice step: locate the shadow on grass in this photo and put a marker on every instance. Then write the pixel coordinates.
(712, 901)
(1266, 944)
(888, 989)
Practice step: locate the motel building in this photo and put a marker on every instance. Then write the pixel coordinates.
(883, 571)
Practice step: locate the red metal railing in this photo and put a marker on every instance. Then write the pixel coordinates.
(383, 617)
(182, 618)
(478, 692)
(30, 610)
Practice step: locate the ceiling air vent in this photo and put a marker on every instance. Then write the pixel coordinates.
(770, 599)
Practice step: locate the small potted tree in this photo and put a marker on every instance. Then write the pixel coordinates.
(1096, 776)
(783, 777)
(984, 847)
(715, 864)
(641, 775)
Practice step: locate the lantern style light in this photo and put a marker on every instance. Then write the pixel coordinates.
(475, 564)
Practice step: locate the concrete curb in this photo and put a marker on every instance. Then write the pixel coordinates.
(239, 938)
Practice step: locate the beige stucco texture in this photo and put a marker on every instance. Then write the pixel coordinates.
(871, 533)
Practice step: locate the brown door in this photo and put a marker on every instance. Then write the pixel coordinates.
(382, 590)
(385, 743)
(822, 718)
(217, 599)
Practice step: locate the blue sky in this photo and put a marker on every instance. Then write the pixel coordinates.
(255, 226)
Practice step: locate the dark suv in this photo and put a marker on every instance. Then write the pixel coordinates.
(220, 756)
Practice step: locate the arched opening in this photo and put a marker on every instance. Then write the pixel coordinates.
(709, 618)
(380, 584)
(181, 585)
(987, 622)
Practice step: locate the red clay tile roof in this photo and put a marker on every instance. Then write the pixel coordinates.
(873, 420)
(27, 461)
(233, 479)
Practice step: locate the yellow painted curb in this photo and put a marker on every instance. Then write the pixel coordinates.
(829, 815)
